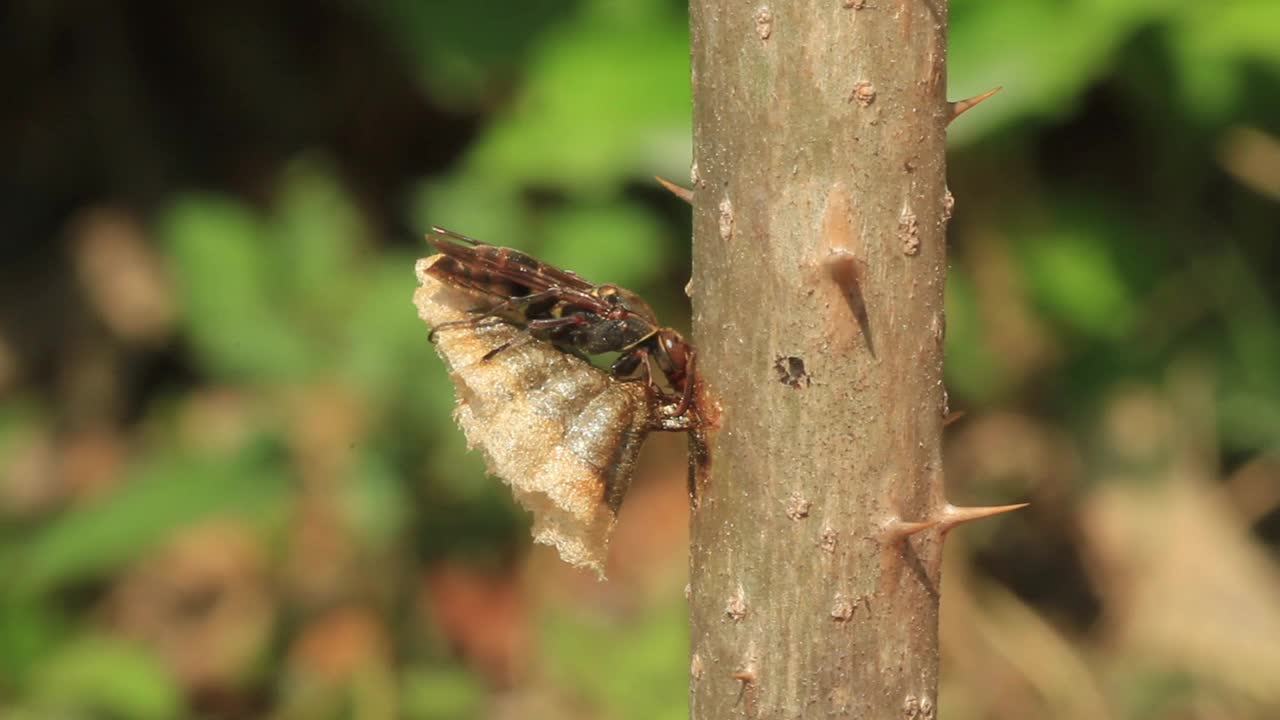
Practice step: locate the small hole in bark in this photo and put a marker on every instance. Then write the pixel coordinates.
(791, 371)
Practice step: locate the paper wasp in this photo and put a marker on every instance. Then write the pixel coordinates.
(571, 313)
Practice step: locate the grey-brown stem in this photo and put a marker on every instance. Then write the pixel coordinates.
(818, 188)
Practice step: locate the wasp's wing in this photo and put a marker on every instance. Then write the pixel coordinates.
(503, 263)
(459, 274)
(451, 235)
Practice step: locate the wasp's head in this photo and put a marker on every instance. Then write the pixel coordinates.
(672, 356)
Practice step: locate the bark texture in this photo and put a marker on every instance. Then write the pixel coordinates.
(819, 257)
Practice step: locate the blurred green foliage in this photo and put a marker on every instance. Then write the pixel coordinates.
(1109, 232)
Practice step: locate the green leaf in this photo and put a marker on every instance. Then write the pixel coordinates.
(625, 669)
(1249, 387)
(460, 49)
(1022, 46)
(615, 242)
(483, 206)
(229, 295)
(1213, 43)
(376, 502)
(29, 630)
(315, 231)
(97, 677)
(386, 352)
(972, 372)
(607, 97)
(159, 499)
(443, 693)
(1074, 277)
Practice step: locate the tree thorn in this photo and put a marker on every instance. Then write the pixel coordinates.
(684, 194)
(897, 530)
(960, 106)
(953, 516)
(748, 690)
(846, 270)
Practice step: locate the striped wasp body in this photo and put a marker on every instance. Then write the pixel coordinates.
(562, 308)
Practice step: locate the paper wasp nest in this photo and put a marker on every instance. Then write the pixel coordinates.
(562, 433)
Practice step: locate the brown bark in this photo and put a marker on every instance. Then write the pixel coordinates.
(819, 258)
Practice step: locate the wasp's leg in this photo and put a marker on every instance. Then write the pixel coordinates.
(519, 338)
(625, 367)
(560, 333)
(469, 322)
(494, 311)
(628, 362)
(530, 328)
(690, 374)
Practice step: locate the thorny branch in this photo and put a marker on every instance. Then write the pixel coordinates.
(820, 207)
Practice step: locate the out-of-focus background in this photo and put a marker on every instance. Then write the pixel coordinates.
(229, 482)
